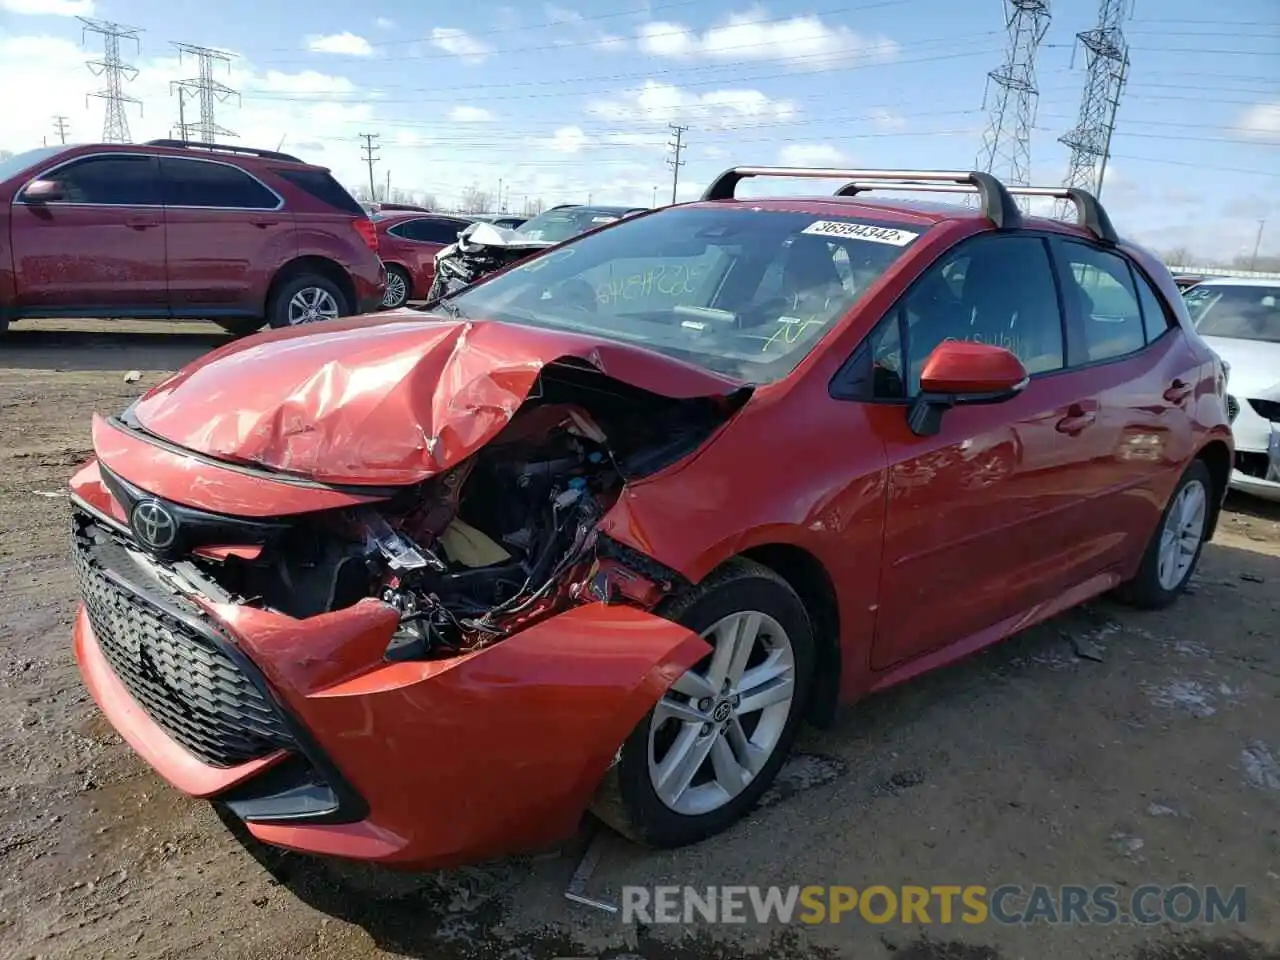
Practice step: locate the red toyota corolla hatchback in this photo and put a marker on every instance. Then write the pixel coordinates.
(604, 529)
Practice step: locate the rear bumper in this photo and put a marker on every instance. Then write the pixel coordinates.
(425, 764)
(369, 290)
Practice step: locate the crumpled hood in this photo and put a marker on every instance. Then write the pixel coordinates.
(385, 401)
(1255, 365)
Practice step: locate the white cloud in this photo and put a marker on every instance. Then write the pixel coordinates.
(305, 83)
(347, 44)
(460, 44)
(52, 8)
(465, 114)
(663, 103)
(1261, 122)
(567, 140)
(888, 122)
(586, 32)
(384, 23)
(803, 42)
(811, 155)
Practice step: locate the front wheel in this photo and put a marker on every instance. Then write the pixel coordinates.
(1174, 549)
(306, 299)
(705, 753)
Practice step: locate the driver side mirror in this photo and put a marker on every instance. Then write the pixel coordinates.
(960, 373)
(44, 191)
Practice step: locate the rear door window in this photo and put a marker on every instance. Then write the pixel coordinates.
(203, 183)
(1100, 287)
(118, 180)
(321, 185)
(429, 230)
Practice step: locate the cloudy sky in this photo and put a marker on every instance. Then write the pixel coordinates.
(572, 100)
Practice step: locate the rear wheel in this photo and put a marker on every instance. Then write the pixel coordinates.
(1175, 547)
(711, 746)
(398, 287)
(306, 299)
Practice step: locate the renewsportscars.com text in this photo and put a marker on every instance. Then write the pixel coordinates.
(940, 904)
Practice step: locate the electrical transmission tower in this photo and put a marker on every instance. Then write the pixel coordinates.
(115, 73)
(370, 157)
(1006, 143)
(205, 90)
(1090, 139)
(60, 125)
(675, 162)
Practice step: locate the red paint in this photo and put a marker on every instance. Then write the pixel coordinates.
(961, 367)
(391, 399)
(933, 546)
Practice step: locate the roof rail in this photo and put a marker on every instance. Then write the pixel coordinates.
(1090, 213)
(997, 204)
(223, 148)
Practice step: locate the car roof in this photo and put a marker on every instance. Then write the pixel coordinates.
(922, 213)
(388, 216)
(226, 153)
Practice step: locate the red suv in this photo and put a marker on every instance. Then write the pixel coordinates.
(605, 527)
(409, 242)
(175, 229)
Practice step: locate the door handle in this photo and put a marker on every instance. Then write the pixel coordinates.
(265, 223)
(1076, 420)
(141, 223)
(1178, 391)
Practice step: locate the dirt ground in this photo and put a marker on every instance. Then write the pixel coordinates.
(1105, 747)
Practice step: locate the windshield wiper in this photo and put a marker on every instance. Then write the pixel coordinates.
(451, 308)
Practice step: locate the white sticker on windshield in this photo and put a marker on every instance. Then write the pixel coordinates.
(860, 231)
(603, 219)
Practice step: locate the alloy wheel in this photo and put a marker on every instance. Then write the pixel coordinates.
(396, 292)
(311, 304)
(1184, 527)
(718, 725)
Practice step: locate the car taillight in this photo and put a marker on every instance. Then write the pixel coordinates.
(368, 232)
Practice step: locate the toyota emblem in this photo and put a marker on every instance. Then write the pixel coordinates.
(154, 525)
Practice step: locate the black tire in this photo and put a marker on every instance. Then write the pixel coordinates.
(626, 799)
(438, 288)
(240, 326)
(278, 307)
(404, 278)
(1145, 589)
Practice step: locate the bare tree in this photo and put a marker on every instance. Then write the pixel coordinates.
(475, 200)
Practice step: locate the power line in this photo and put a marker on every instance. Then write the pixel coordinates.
(60, 126)
(1006, 144)
(1090, 139)
(675, 162)
(115, 73)
(370, 157)
(204, 89)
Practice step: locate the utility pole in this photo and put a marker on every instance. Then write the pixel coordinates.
(386, 191)
(1006, 144)
(1108, 70)
(60, 125)
(1257, 245)
(370, 157)
(204, 89)
(675, 162)
(115, 73)
(653, 199)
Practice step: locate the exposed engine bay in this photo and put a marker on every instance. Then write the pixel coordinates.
(482, 248)
(505, 537)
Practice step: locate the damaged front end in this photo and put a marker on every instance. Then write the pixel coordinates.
(494, 543)
(481, 249)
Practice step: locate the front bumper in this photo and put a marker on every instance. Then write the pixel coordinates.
(1257, 466)
(424, 764)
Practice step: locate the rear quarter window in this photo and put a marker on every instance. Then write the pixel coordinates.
(321, 185)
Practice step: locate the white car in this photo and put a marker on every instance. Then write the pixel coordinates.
(1239, 318)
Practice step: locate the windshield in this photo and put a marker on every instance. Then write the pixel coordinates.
(557, 225)
(738, 291)
(1236, 312)
(11, 166)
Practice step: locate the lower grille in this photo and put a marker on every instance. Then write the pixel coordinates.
(170, 659)
(1233, 408)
